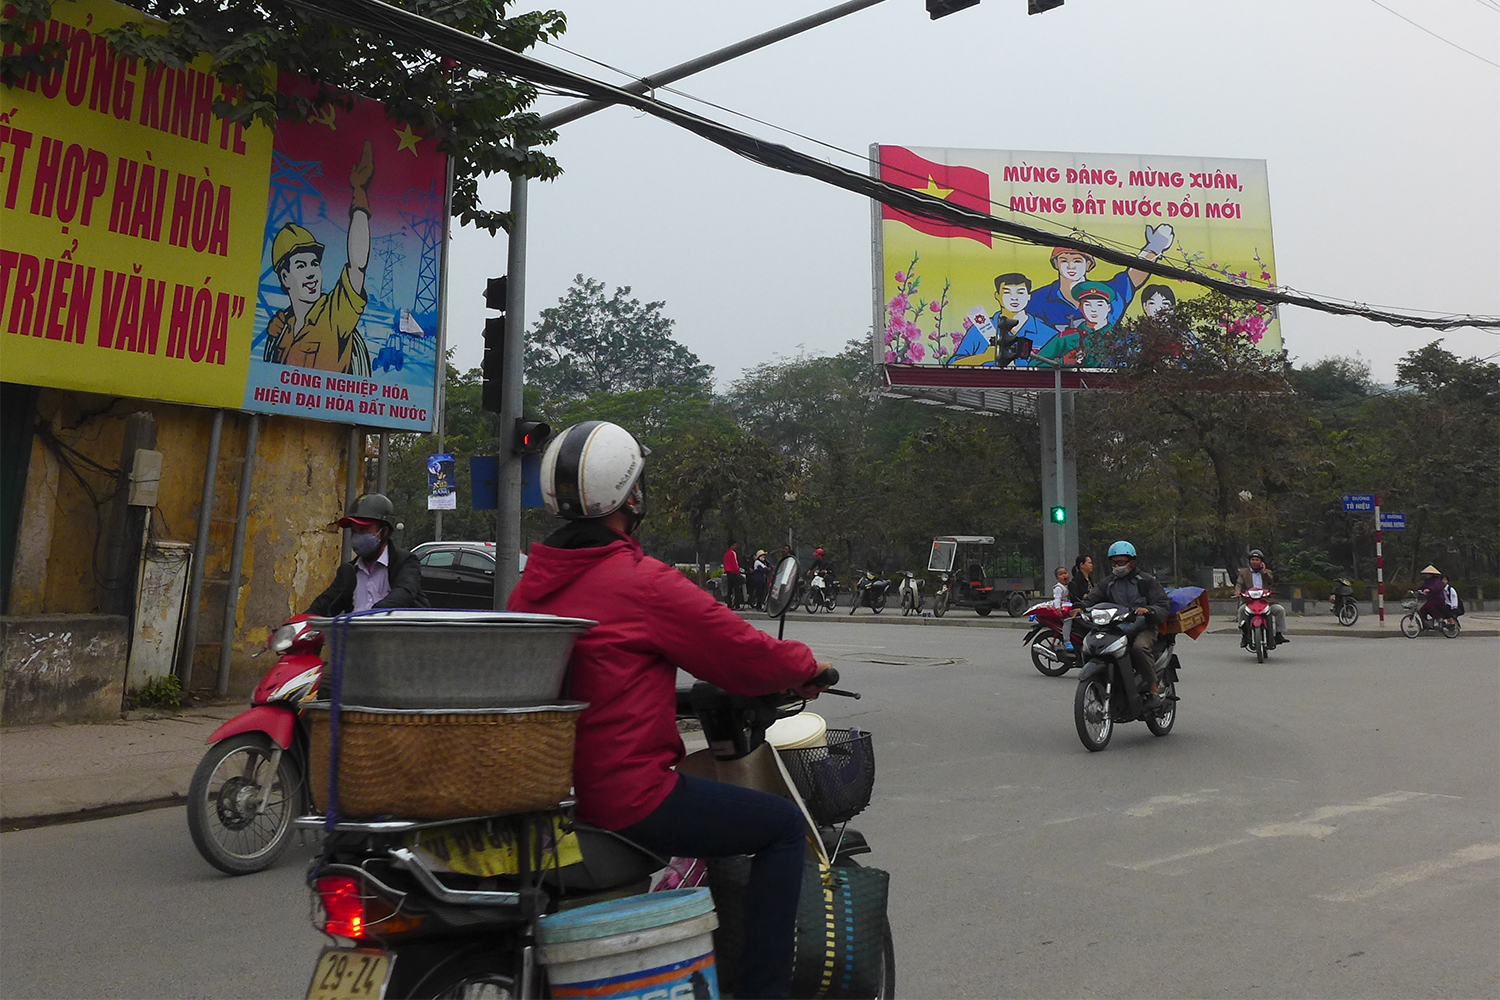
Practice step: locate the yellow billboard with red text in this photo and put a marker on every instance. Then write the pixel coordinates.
(959, 298)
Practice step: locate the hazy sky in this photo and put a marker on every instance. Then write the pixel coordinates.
(1382, 146)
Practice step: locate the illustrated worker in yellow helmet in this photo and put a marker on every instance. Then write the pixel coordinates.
(321, 330)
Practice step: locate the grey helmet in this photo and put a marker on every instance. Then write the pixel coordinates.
(370, 508)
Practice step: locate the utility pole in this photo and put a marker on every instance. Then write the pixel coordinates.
(508, 500)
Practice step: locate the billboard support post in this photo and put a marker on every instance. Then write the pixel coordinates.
(1379, 565)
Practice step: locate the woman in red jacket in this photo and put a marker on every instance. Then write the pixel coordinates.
(652, 622)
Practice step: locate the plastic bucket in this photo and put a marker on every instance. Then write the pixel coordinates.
(801, 731)
(660, 944)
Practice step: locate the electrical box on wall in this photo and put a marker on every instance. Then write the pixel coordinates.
(145, 478)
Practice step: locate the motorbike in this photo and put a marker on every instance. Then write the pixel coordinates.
(911, 594)
(1342, 603)
(451, 908)
(870, 592)
(1047, 639)
(1109, 689)
(252, 783)
(1414, 623)
(1255, 622)
(821, 593)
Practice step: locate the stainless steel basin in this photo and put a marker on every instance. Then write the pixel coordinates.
(450, 659)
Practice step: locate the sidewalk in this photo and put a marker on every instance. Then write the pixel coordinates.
(60, 772)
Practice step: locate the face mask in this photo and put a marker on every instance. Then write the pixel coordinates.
(365, 546)
(1121, 571)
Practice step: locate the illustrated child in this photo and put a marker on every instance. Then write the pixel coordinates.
(321, 330)
(977, 346)
(1056, 304)
(1084, 343)
(1013, 292)
(1157, 300)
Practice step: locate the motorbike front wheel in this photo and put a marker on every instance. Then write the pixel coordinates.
(878, 605)
(1091, 716)
(1348, 613)
(906, 605)
(1410, 627)
(1258, 640)
(940, 605)
(229, 826)
(1051, 668)
(811, 602)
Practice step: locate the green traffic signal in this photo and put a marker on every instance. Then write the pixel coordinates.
(1059, 515)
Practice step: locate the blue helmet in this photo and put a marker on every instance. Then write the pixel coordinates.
(1122, 548)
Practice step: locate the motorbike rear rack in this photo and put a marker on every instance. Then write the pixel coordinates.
(393, 826)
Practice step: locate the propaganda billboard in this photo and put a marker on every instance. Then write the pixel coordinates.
(942, 290)
(151, 250)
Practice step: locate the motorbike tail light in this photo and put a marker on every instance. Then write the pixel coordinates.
(352, 911)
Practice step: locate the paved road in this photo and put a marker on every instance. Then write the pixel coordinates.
(1321, 825)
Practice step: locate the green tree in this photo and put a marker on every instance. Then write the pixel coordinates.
(589, 343)
(479, 118)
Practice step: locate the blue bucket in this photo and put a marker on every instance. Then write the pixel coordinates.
(658, 945)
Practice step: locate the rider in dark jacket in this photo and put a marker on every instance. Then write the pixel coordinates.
(380, 575)
(1128, 587)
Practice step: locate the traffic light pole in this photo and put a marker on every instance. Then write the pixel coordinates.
(508, 500)
(1062, 487)
(512, 390)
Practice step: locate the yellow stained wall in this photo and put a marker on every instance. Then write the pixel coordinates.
(291, 544)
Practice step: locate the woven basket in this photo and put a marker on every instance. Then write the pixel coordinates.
(445, 765)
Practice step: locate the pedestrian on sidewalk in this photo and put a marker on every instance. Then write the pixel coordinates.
(735, 595)
(760, 578)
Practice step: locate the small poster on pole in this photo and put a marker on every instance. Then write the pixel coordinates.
(442, 491)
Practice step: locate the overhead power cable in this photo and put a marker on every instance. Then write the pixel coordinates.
(1434, 34)
(375, 15)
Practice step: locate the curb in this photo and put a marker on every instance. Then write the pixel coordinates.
(8, 825)
(1389, 631)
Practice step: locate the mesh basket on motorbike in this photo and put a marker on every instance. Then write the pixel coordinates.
(836, 780)
(446, 765)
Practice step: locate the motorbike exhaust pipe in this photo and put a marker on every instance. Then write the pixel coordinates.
(1046, 652)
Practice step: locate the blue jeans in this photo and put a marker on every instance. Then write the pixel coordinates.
(709, 819)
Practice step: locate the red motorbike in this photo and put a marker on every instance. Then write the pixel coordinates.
(1255, 623)
(252, 782)
(1048, 639)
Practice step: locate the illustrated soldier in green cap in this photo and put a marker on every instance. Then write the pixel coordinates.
(1083, 344)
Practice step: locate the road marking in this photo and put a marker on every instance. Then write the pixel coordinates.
(1150, 806)
(1398, 877)
(1307, 826)
(1196, 852)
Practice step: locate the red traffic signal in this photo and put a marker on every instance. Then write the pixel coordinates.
(531, 436)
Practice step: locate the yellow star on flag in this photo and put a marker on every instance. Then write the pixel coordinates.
(933, 189)
(407, 139)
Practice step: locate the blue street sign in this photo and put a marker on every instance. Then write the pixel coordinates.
(484, 475)
(1359, 502)
(1392, 521)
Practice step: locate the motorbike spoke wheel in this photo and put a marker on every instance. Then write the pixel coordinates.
(1451, 628)
(478, 975)
(1051, 668)
(225, 818)
(811, 604)
(1091, 716)
(1348, 614)
(1409, 627)
(1258, 640)
(1160, 724)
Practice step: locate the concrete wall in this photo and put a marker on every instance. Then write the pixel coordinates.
(291, 548)
(62, 668)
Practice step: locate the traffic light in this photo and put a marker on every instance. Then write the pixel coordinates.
(531, 437)
(492, 364)
(1059, 515)
(942, 8)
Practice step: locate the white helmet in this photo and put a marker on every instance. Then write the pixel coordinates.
(591, 469)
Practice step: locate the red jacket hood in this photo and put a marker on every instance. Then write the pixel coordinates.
(550, 569)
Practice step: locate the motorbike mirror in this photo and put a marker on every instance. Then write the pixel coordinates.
(783, 587)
